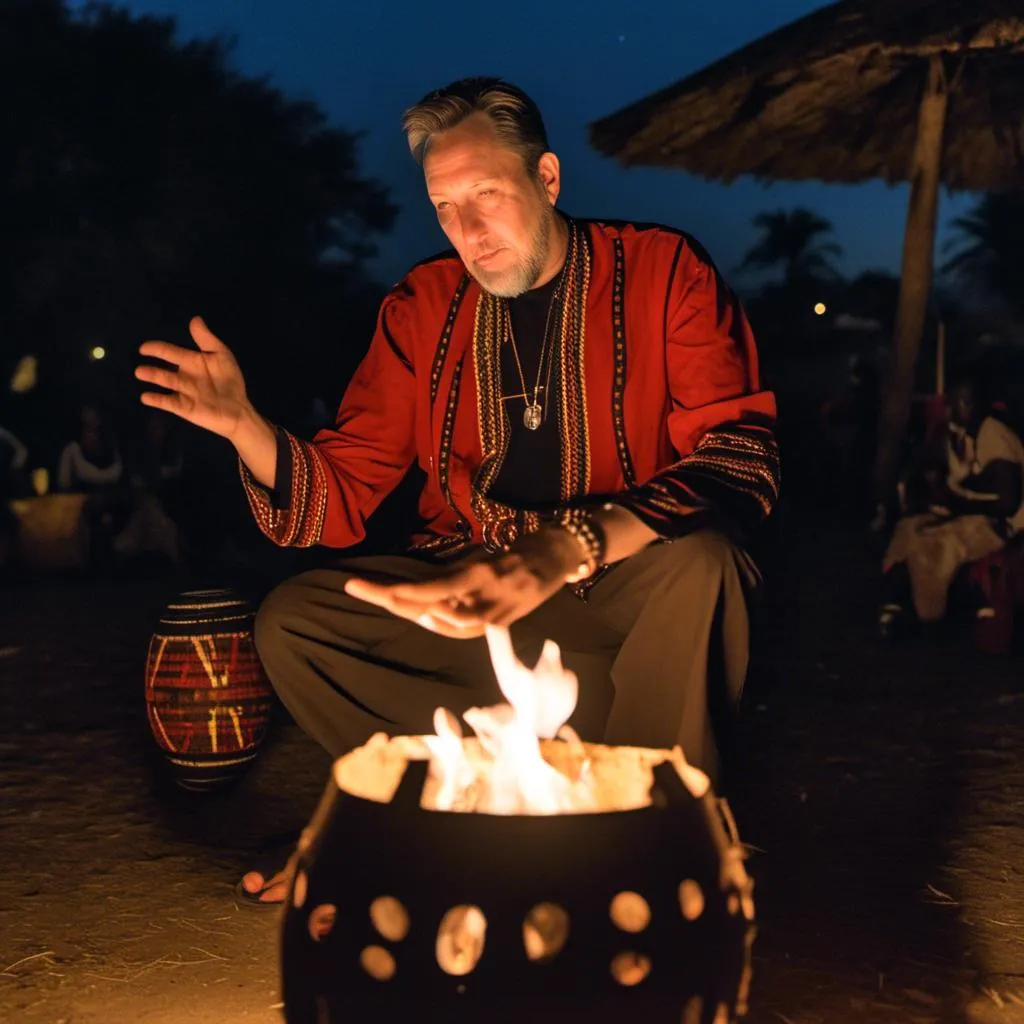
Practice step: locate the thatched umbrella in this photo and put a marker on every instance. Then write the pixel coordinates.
(925, 91)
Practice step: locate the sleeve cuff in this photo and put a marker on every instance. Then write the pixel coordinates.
(291, 514)
(279, 497)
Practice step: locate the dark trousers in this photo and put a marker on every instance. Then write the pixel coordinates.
(660, 647)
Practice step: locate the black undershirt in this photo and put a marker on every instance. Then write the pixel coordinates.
(531, 473)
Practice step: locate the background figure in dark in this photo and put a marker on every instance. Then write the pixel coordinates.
(13, 484)
(91, 464)
(973, 486)
(155, 477)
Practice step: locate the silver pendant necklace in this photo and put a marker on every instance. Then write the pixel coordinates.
(533, 414)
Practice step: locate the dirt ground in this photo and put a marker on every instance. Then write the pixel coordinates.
(882, 797)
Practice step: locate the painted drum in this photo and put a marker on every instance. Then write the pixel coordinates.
(208, 699)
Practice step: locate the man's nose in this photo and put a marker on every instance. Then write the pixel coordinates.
(472, 224)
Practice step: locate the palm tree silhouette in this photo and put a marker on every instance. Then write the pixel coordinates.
(791, 239)
(987, 250)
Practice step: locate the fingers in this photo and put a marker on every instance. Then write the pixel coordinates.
(443, 617)
(174, 403)
(169, 379)
(174, 354)
(459, 584)
(204, 338)
(436, 616)
(372, 593)
(434, 625)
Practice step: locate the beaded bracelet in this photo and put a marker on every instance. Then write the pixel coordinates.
(591, 539)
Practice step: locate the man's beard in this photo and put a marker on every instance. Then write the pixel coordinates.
(520, 278)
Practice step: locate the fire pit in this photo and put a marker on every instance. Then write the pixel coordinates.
(506, 877)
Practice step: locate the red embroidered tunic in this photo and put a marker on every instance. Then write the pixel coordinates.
(660, 409)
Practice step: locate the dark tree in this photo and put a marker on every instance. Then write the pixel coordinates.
(791, 240)
(988, 251)
(143, 180)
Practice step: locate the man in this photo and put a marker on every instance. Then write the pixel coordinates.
(575, 393)
(977, 509)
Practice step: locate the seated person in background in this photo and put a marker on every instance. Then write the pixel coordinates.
(155, 478)
(13, 463)
(975, 508)
(13, 460)
(91, 463)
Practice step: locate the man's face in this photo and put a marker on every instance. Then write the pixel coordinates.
(499, 219)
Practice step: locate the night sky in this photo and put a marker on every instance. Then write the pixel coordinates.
(365, 61)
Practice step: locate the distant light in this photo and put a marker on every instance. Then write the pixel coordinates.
(40, 481)
(820, 308)
(98, 353)
(25, 375)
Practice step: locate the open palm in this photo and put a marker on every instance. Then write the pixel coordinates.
(206, 386)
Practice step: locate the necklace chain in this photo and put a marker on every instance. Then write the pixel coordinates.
(533, 414)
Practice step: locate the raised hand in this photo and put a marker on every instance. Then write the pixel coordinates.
(205, 388)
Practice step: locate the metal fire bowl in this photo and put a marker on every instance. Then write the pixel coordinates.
(433, 861)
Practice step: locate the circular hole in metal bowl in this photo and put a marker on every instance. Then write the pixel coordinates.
(460, 939)
(300, 889)
(630, 912)
(390, 918)
(691, 899)
(630, 968)
(545, 931)
(321, 921)
(378, 963)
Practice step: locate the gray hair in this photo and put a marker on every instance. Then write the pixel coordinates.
(516, 118)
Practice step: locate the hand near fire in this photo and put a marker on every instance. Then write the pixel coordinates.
(481, 591)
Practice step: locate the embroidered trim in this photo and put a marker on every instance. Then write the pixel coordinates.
(619, 349)
(492, 423)
(447, 544)
(301, 523)
(441, 353)
(498, 522)
(444, 454)
(734, 468)
(573, 425)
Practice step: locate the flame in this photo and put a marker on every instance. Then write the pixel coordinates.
(514, 778)
(512, 765)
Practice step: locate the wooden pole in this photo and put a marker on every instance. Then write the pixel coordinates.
(940, 359)
(915, 279)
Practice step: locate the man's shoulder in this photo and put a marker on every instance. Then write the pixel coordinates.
(647, 236)
(431, 277)
(424, 294)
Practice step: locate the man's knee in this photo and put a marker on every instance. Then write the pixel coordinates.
(269, 627)
(281, 614)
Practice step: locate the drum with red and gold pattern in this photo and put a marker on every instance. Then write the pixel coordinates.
(207, 697)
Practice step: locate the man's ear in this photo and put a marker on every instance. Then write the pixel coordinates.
(550, 173)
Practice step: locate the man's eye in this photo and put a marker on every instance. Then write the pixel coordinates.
(442, 206)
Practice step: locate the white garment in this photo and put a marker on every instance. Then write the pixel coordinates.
(934, 550)
(75, 469)
(995, 441)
